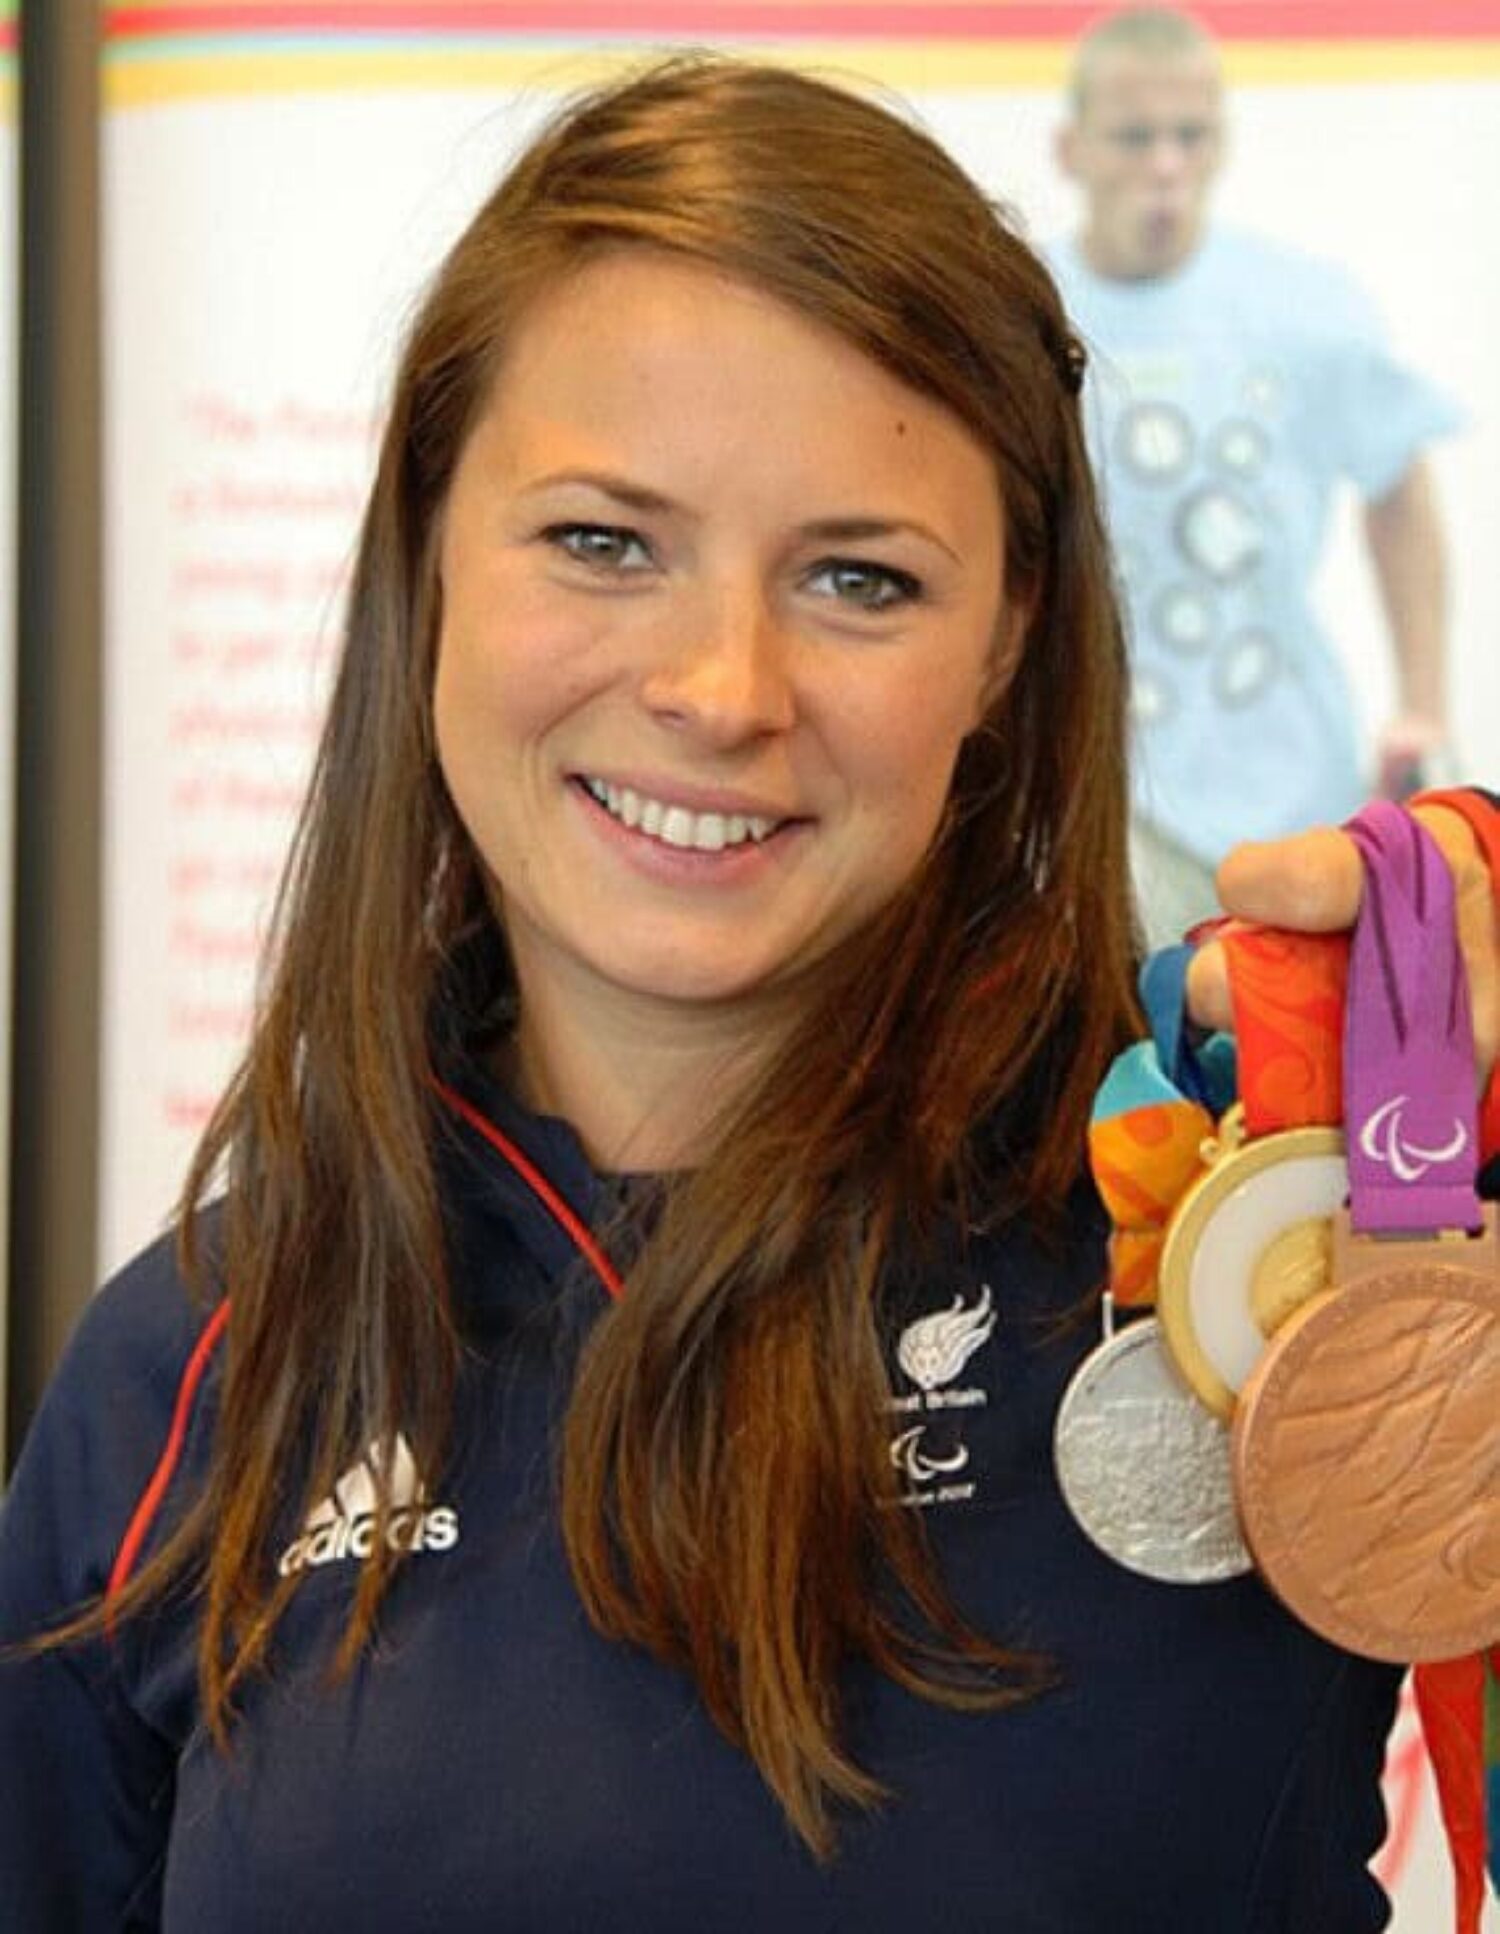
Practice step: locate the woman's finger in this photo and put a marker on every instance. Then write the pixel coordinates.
(1312, 883)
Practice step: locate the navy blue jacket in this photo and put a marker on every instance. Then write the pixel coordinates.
(1204, 1762)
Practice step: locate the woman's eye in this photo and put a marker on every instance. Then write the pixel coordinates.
(868, 587)
(607, 547)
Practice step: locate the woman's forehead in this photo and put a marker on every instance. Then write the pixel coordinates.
(677, 376)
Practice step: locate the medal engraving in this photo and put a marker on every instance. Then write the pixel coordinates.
(1366, 1447)
(1144, 1468)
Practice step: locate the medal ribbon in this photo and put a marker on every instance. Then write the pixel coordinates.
(1151, 1117)
(1288, 994)
(1409, 1103)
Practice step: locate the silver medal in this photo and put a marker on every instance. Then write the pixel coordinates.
(1144, 1467)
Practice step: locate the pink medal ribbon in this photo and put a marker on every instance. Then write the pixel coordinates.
(1409, 1104)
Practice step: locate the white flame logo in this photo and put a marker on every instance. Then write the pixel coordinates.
(1381, 1140)
(935, 1348)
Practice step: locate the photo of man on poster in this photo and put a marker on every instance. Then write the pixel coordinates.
(1237, 384)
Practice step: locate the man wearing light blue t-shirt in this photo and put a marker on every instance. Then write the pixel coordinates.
(1234, 384)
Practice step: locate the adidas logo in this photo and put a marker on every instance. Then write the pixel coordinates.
(343, 1526)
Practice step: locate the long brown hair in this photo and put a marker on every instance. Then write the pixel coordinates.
(945, 1062)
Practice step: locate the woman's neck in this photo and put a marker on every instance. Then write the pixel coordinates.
(642, 1082)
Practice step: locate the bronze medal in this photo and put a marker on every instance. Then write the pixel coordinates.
(1366, 1449)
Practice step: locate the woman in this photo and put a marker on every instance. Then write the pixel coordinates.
(592, 1468)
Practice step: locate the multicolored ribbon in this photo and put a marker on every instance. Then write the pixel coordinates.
(1151, 1119)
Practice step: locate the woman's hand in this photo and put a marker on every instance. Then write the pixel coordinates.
(1312, 883)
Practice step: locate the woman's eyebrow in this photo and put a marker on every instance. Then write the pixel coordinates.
(636, 496)
(853, 530)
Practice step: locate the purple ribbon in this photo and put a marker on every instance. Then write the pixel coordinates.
(1410, 1111)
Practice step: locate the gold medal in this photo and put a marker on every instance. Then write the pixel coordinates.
(1247, 1244)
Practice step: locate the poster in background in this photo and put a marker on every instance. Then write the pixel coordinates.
(278, 180)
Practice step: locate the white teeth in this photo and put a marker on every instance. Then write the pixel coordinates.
(675, 825)
(621, 801)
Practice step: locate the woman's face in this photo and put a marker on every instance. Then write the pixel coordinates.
(720, 600)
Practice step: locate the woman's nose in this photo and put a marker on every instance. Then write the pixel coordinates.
(724, 673)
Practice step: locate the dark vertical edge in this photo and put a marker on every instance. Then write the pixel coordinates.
(59, 669)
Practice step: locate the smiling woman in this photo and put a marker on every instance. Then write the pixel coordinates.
(698, 749)
(592, 1467)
